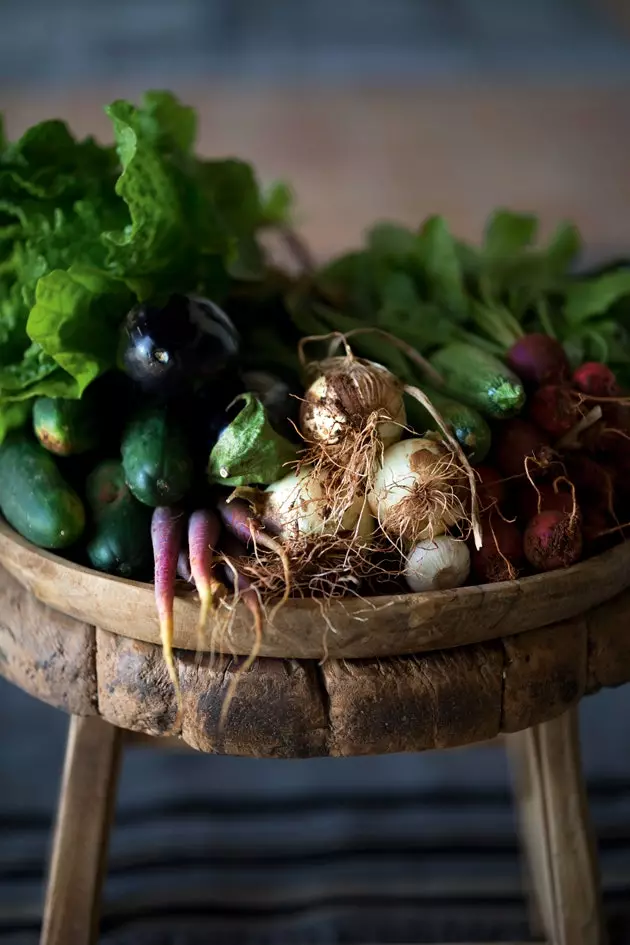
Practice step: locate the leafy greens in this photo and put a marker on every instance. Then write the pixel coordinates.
(87, 230)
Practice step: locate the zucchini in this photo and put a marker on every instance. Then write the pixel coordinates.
(35, 498)
(156, 460)
(121, 538)
(467, 424)
(479, 379)
(65, 427)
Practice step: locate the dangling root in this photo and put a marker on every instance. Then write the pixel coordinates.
(252, 602)
(511, 570)
(439, 501)
(475, 521)
(347, 469)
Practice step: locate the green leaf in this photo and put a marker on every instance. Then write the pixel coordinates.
(229, 206)
(593, 297)
(13, 416)
(249, 451)
(507, 233)
(277, 204)
(393, 242)
(442, 268)
(76, 320)
(33, 367)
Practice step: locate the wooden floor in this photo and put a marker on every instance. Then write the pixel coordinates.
(356, 155)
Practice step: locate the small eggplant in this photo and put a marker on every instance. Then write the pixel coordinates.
(171, 348)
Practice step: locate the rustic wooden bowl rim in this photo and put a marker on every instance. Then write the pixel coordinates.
(348, 628)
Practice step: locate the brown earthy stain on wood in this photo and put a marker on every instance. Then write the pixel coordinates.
(382, 626)
(277, 709)
(295, 708)
(545, 674)
(45, 653)
(431, 701)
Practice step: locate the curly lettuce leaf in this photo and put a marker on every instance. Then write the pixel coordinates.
(86, 230)
(249, 451)
(13, 416)
(76, 320)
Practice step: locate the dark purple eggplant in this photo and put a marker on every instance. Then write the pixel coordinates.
(179, 346)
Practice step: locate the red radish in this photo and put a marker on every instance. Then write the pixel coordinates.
(594, 482)
(595, 527)
(204, 529)
(519, 441)
(167, 527)
(543, 498)
(553, 540)
(538, 359)
(555, 408)
(595, 379)
(614, 434)
(500, 557)
(491, 490)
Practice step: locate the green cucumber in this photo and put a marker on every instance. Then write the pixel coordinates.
(121, 538)
(469, 427)
(65, 427)
(479, 379)
(105, 486)
(156, 459)
(35, 498)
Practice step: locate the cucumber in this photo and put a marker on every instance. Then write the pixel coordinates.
(65, 427)
(121, 538)
(156, 459)
(35, 498)
(469, 427)
(479, 379)
(105, 485)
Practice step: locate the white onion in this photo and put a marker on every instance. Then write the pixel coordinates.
(437, 564)
(295, 506)
(419, 490)
(359, 520)
(349, 393)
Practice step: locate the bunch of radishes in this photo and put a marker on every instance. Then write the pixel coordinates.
(554, 487)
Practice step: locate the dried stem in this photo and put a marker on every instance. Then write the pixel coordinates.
(422, 398)
(571, 439)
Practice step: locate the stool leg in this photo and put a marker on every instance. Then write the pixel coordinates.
(88, 792)
(557, 837)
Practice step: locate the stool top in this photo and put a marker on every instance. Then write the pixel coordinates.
(300, 708)
(350, 628)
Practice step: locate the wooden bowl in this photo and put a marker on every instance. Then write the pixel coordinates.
(352, 628)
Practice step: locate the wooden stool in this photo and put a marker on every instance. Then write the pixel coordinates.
(523, 684)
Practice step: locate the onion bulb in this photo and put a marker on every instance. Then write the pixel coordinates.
(437, 564)
(350, 396)
(419, 490)
(296, 507)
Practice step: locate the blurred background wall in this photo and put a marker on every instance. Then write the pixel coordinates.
(373, 108)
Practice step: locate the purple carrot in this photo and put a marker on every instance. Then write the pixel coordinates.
(167, 526)
(204, 529)
(238, 519)
(183, 566)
